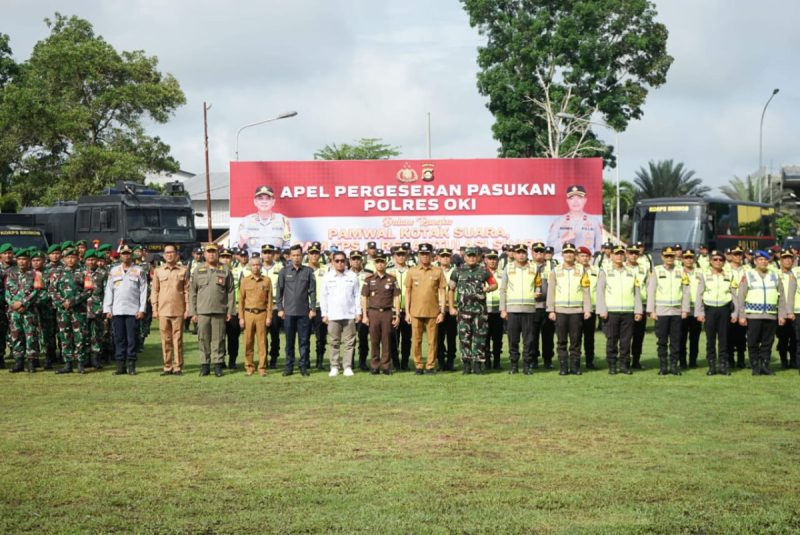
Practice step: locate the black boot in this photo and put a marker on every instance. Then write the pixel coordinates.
(497, 365)
(563, 367)
(526, 368)
(755, 365)
(120, 368)
(466, 367)
(712, 368)
(478, 367)
(612, 368)
(2, 362)
(31, 366)
(66, 369)
(232, 364)
(205, 370)
(590, 364)
(662, 366)
(765, 370)
(218, 370)
(131, 367)
(96, 362)
(81, 368)
(48, 363)
(674, 369)
(19, 366)
(514, 369)
(637, 364)
(575, 367)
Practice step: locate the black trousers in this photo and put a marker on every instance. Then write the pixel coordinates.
(520, 325)
(569, 328)
(668, 333)
(737, 339)
(320, 331)
(401, 343)
(619, 334)
(717, 327)
(275, 339)
(539, 319)
(787, 343)
(446, 341)
(760, 337)
(494, 339)
(637, 342)
(548, 334)
(589, 327)
(232, 332)
(690, 331)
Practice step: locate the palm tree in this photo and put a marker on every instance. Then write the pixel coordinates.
(667, 179)
(741, 190)
(627, 196)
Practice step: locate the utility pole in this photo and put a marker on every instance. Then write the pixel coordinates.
(206, 107)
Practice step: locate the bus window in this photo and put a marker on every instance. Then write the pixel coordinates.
(723, 216)
(670, 224)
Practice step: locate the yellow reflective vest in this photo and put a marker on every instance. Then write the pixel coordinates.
(669, 286)
(762, 293)
(620, 289)
(569, 287)
(718, 288)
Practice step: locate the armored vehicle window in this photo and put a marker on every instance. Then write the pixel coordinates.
(84, 220)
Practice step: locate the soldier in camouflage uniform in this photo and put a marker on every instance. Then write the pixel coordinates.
(471, 282)
(47, 313)
(6, 247)
(69, 295)
(95, 319)
(22, 287)
(107, 345)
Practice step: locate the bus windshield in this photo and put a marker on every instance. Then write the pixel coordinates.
(660, 226)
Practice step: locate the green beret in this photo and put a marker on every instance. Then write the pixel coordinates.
(54, 248)
(69, 251)
(37, 254)
(67, 244)
(80, 242)
(90, 253)
(5, 247)
(22, 253)
(137, 247)
(104, 247)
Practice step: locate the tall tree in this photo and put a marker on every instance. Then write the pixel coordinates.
(77, 109)
(668, 179)
(9, 148)
(366, 148)
(579, 57)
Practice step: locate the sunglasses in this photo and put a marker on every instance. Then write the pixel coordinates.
(339, 261)
(717, 259)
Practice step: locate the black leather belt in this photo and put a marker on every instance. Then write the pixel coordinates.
(255, 310)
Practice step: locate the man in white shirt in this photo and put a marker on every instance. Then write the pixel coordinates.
(340, 305)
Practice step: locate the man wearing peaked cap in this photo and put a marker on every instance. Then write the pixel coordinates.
(714, 309)
(400, 348)
(424, 306)
(576, 226)
(787, 344)
(568, 305)
(265, 225)
(668, 304)
(494, 330)
(690, 327)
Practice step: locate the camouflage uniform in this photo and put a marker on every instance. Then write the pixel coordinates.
(47, 314)
(68, 287)
(3, 321)
(24, 287)
(96, 325)
(469, 284)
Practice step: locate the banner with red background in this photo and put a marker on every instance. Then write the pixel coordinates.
(448, 203)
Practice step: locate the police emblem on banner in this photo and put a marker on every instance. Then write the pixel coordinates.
(406, 174)
(427, 172)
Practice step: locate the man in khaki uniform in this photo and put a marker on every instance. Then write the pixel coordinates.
(169, 299)
(211, 304)
(424, 306)
(380, 301)
(255, 314)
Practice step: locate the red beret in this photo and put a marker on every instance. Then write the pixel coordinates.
(584, 250)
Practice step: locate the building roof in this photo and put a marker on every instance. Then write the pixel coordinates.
(220, 186)
(791, 171)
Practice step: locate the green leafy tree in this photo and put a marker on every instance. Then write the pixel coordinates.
(76, 110)
(9, 148)
(627, 198)
(366, 148)
(668, 179)
(580, 57)
(785, 226)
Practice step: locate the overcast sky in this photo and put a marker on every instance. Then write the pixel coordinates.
(372, 68)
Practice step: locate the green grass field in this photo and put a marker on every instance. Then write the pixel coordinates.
(400, 454)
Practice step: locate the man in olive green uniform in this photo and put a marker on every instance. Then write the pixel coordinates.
(211, 304)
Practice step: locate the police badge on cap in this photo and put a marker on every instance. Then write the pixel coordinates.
(576, 191)
(264, 190)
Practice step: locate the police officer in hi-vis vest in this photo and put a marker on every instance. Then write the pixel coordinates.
(716, 309)
(668, 304)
